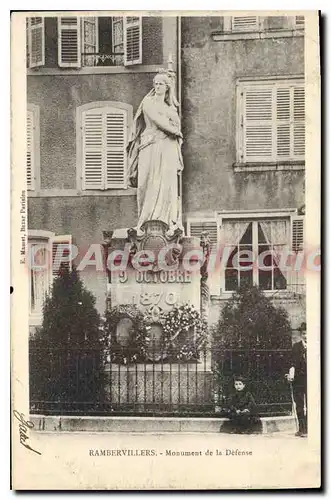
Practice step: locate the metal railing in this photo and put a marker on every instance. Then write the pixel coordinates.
(83, 381)
(101, 59)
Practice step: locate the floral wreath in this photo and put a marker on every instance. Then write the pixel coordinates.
(179, 320)
(139, 341)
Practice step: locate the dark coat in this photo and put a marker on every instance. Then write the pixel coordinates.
(299, 361)
(242, 400)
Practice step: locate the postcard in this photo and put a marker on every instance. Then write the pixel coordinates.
(165, 250)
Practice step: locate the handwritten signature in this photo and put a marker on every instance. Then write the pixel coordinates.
(23, 427)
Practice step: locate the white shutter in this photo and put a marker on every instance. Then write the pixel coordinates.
(195, 227)
(30, 153)
(35, 42)
(297, 233)
(132, 40)
(69, 47)
(93, 149)
(290, 114)
(116, 128)
(245, 23)
(299, 21)
(283, 116)
(90, 40)
(61, 247)
(257, 124)
(299, 122)
(104, 139)
(272, 122)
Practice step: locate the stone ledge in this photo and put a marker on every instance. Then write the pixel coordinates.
(149, 424)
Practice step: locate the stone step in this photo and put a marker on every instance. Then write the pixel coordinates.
(149, 424)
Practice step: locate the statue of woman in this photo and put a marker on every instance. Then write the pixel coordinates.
(154, 154)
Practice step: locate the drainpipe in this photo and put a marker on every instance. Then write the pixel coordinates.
(179, 65)
(179, 98)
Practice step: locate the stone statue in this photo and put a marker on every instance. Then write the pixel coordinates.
(154, 154)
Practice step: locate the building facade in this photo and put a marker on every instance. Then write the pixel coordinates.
(240, 83)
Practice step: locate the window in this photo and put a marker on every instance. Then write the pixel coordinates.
(102, 136)
(35, 42)
(271, 121)
(103, 41)
(254, 248)
(251, 24)
(46, 252)
(33, 145)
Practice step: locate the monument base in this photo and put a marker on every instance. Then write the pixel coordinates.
(159, 388)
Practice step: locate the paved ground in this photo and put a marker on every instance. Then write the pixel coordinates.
(155, 461)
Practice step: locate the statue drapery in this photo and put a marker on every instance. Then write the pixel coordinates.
(155, 158)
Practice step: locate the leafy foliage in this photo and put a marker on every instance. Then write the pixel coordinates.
(250, 319)
(66, 352)
(253, 339)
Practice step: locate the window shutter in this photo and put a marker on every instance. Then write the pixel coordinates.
(272, 122)
(132, 40)
(283, 113)
(93, 152)
(195, 228)
(35, 42)
(30, 153)
(299, 122)
(299, 21)
(69, 53)
(61, 247)
(245, 23)
(90, 42)
(104, 134)
(290, 111)
(257, 124)
(116, 128)
(297, 236)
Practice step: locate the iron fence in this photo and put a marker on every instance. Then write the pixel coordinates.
(85, 381)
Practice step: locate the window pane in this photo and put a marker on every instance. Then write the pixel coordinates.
(246, 279)
(244, 257)
(265, 280)
(261, 236)
(231, 279)
(247, 237)
(279, 280)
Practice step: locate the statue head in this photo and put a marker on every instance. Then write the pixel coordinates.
(164, 83)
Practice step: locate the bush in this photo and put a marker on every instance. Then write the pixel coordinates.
(249, 319)
(66, 353)
(253, 339)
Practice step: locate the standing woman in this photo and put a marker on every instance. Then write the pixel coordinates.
(155, 156)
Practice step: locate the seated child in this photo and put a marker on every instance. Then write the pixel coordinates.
(242, 411)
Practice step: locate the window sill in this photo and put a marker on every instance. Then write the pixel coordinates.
(64, 193)
(95, 70)
(275, 294)
(268, 166)
(223, 36)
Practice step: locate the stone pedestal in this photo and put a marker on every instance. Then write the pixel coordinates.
(159, 387)
(155, 275)
(165, 282)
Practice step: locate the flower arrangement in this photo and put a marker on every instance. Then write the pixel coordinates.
(136, 350)
(184, 335)
(185, 332)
